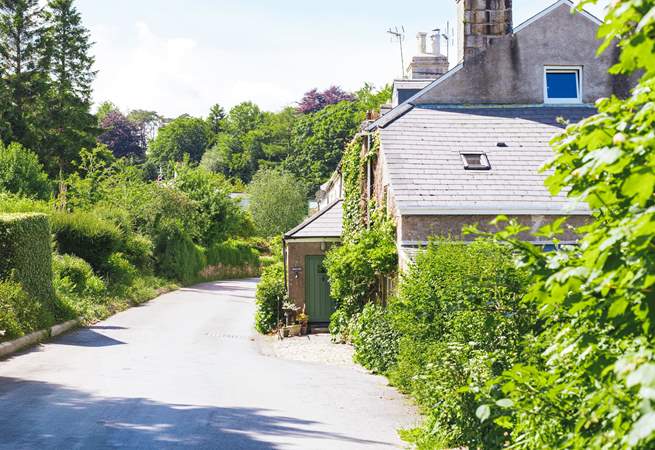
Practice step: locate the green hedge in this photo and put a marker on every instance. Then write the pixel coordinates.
(26, 255)
(232, 253)
(178, 258)
(271, 292)
(20, 313)
(88, 237)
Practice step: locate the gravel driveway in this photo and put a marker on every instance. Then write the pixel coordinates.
(184, 371)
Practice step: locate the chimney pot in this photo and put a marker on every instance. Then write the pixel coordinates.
(436, 42)
(422, 43)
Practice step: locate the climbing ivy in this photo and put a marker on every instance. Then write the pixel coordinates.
(353, 168)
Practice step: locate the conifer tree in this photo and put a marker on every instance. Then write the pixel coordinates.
(71, 124)
(24, 59)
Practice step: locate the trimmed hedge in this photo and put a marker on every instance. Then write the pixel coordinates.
(88, 237)
(178, 258)
(20, 313)
(271, 292)
(232, 253)
(26, 255)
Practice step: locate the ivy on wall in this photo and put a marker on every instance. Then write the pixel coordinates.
(354, 165)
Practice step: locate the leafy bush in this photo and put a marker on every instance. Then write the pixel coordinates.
(271, 293)
(86, 236)
(178, 258)
(26, 254)
(20, 313)
(120, 270)
(21, 173)
(79, 273)
(356, 268)
(139, 251)
(375, 339)
(461, 323)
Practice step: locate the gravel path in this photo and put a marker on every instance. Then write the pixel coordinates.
(316, 348)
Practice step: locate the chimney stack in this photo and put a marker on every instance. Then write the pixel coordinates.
(428, 65)
(480, 22)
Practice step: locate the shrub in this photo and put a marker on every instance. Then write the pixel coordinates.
(11, 203)
(232, 253)
(375, 339)
(139, 251)
(86, 236)
(120, 270)
(20, 313)
(271, 292)
(26, 254)
(21, 173)
(355, 269)
(177, 256)
(79, 273)
(461, 324)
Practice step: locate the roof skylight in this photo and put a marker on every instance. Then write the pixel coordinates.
(476, 161)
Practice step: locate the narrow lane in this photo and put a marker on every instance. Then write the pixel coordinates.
(183, 371)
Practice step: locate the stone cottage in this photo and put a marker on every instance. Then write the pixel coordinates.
(468, 144)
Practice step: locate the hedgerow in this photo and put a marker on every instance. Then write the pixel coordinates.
(271, 293)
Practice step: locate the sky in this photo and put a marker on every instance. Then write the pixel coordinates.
(183, 56)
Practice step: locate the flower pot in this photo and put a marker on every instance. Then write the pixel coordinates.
(294, 330)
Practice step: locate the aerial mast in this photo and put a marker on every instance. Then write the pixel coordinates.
(399, 35)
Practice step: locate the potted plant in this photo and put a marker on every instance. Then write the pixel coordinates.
(290, 311)
(303, 320)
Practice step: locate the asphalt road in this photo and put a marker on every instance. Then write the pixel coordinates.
(184, 371)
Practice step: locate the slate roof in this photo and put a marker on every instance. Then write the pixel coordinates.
(426, 172)
(327, 223)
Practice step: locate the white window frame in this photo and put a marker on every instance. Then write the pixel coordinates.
(578, 70)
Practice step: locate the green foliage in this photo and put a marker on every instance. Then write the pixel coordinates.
(139, 251)
(592, 386)
(183, 136)
(86, 236)
(353, 170)
(356, 269)
(26, 254)
(177, 256)
(20, 313)
(375, 339)
(461, 323)
(319, 139)
(22, 174)
(232, 253)
(120, 270)
(271, 293)
(78, 274)
(217, 216)
(277, 202)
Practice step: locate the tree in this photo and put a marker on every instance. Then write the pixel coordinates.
(122, 136)
(183, 136)
(314, 101)
(319, 139)
(147, 122)
(24, 61)
(104, 109)
(591, 382)
(71, 125)
(277, 202)
(216, 119)
(22, 174)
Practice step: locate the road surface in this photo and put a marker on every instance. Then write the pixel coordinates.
(184, 371)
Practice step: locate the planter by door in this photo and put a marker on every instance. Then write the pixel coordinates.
(320, 305)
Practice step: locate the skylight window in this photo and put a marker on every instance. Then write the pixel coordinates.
(476, 161)
(563, 85)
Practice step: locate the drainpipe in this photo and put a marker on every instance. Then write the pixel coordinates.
(369, 176)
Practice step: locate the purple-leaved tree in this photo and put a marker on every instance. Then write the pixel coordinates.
(122, 136)
(314, 100)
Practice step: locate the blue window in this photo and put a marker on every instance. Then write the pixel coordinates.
(562, 85)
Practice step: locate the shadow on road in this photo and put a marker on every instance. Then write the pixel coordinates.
(86, 337)
(44, 415)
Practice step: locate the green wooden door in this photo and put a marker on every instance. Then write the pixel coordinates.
(317, 291)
